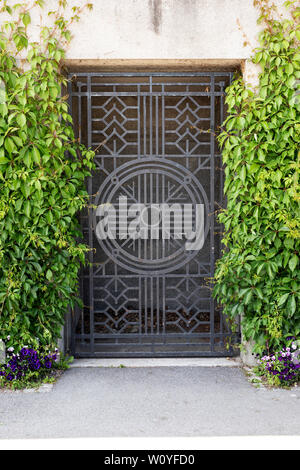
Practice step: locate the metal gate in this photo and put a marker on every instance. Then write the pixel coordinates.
(155, 141)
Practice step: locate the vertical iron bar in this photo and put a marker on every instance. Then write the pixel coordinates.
(157, 126)
(164, 305)
(163, 120)
(157, 202)
(157, 305)
(73, 318)
(150, 117)
(80, 138)
(146, 305)
(150, 215)
(221, 202)
(145, 203)
(139, 120)
(151, 303)
(145, 124)
(212, 206)
(90, 216)
(140, 308)
(79, 114)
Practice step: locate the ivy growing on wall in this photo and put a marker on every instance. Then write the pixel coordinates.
(42, 173)
(258, 276)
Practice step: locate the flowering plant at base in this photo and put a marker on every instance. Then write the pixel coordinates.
(30, 367)
(28, 360)
(282, 367)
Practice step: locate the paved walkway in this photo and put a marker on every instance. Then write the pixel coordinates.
(149, 402)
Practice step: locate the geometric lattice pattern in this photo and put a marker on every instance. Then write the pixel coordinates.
(155, 141)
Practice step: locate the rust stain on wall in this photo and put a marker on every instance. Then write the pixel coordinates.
(155, 7)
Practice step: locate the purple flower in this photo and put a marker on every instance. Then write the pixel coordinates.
(27, 360)
(283, 364)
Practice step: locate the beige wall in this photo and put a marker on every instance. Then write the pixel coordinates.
(203, 30)
(164, 29)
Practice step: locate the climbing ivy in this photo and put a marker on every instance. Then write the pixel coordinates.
(42, 172)
(258, 276)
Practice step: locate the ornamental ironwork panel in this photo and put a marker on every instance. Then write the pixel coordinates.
(155, 140)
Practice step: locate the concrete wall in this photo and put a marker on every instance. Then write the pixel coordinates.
(161, 29)
(201, 33)
(164, 29)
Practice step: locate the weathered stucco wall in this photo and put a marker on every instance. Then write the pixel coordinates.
(204, 30)
(165, 29)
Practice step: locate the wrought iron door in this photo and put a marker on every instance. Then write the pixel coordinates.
(155, 141)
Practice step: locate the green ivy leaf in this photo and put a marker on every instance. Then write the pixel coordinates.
(9, 145)
(243, 173)
(293, 263)
(283, 299)
(26, 19)
(21, 120)
(27, 159)
(27, 208)
(291, 305)
(36, 155)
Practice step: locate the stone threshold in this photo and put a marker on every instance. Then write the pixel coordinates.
(45, 388)
(157, 362)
